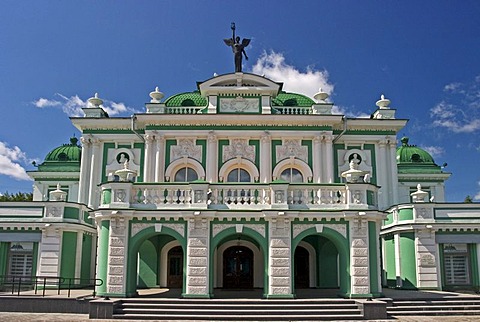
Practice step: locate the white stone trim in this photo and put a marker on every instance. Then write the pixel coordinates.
(300, 165)
(241, 163)
(181, 163)
(312, 263)
(164, 261)
(138, 227)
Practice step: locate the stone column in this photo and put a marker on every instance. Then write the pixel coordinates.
(212, 159)
(317, 159)
(160, 158)
(359, 257)
(280, 259)
(382, 178)
(95, 171)
(328, 164)
(148, 163)
(398, 259)
(84, 170)
(394, 171)
(117, 256)
(265, 158)
(198, 249)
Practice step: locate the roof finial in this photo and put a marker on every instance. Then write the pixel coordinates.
(156, 96)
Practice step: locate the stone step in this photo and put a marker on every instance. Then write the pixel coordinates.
(434, 313)
(237, 310)
(225, 311)
(434, 307)
(233, 317)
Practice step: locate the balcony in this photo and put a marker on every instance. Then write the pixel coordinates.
(239, 196)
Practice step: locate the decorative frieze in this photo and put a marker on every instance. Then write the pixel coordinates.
(138, 227)
(186, 148)
(292, 148)
(238, 148)
(299, 228)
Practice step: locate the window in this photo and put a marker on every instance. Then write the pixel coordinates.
(238, 175)
(456, 266)
(20, 259)
(186, 175)
(291, 175)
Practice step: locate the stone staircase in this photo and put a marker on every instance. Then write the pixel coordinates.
(454, 305)
(237, 310)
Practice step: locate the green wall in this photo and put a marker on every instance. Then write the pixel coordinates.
(4, 257)
(69, 251)
(408, 264)
(85, 273)
(148, 264)
(390, 273)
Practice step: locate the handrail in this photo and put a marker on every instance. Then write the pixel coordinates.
(45, 282)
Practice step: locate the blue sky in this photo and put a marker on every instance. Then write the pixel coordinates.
(423, 55)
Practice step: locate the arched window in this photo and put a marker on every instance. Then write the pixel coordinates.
(291, 175)
(185, 174)
(238, 175)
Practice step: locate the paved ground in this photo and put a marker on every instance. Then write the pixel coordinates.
(48, 317)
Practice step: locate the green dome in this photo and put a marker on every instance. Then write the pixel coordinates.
(292, 99)
(63, 158)
(186, 99)
(411, 158)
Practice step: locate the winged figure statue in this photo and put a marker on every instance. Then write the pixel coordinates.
(237, 48)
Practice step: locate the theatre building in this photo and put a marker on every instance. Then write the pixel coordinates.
(239, 184)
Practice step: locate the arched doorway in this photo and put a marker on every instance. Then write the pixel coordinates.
(175, 267)
(238, 268)
(302, 268)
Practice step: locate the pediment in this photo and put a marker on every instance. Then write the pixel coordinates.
(239, 84)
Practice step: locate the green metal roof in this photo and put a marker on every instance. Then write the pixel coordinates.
(186, 99)
(292, 99)
(412, 159)
(63, 158)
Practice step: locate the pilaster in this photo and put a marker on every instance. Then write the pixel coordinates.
(265, 158)
(382, 179)
(50, 252)
(212, 159)
(280, 259)
(159, 158)
(427, 259)
(317, 159)
(359, 257)
(84, 170)
(198, 249)
(328, 164)
(95, 171)
(117, 256)
(148, 171)
(393, 171)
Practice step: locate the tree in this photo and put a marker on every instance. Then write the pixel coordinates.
(19, 196)
(468, 199)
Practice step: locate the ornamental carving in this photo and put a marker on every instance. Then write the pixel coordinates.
(339, 228)
(238, 148)
(427, 260)
(138, 227)
(54, 212)
(292, 148)
(239, 104)
(259, 228)
(186, 148)
(217, 228)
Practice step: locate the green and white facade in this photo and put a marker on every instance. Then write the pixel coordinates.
(240, 185)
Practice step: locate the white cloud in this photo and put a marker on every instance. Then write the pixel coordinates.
(72, 106)
(273, 66)
(459, 111)
(434, 151)
(10, 162)
(477, 196)
(43, 102)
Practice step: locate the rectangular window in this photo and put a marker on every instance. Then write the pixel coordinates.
(456, 264)
(20, 259)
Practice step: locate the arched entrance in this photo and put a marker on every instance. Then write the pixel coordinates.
(302, 267)
(238, 268)
(321, 261)
(175, 267)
